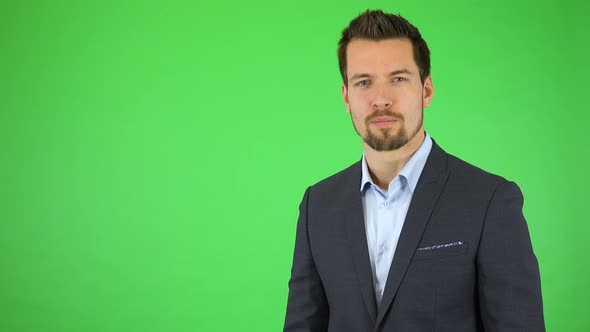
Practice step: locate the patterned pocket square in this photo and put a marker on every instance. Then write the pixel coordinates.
(440, 246)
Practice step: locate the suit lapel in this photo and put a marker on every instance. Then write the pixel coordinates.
(354, 223)
(426, 194)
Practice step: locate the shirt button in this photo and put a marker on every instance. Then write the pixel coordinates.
(385, 247)
(386, 203)
(381, 292)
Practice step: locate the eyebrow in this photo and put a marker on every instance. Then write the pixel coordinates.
(393, 73)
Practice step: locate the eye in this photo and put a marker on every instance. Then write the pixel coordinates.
(362, 83)
(399, 79)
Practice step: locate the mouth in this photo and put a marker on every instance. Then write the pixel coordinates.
(382, 122)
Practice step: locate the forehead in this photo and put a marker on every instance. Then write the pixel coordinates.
(387, 54)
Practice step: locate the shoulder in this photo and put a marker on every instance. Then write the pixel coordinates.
(462, 169)
(474, 180)
(335, 189)
(346, 179)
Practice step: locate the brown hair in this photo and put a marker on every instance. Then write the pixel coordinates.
(376, 25)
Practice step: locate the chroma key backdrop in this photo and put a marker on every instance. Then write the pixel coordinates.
(153, 154)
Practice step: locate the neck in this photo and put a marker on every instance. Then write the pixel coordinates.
(384, 166)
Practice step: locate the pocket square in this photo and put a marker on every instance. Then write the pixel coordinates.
(439, 246)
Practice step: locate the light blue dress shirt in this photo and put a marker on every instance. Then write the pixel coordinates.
(385, 212)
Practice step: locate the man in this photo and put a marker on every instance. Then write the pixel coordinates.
(409, 238)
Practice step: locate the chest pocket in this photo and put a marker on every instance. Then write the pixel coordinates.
(441, 250)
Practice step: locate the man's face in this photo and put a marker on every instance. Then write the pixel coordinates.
(385, 96)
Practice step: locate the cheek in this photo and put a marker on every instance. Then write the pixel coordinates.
(355, 108)
(356, 117)
(413, 104)
(357, 99)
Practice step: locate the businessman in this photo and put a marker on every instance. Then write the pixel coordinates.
(409, 238)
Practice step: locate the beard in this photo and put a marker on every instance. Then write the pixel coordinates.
(389, 139)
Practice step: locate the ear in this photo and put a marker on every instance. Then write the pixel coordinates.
(345, 97)
(427, 91)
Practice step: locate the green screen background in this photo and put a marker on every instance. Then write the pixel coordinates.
(154, 153)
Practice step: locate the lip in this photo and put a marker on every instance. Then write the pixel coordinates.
(383, 121)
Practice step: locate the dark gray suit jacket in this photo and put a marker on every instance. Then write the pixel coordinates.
(464, 260)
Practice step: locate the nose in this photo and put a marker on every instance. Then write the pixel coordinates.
(381, 99)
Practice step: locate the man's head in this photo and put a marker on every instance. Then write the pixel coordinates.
(376, 25)
(385, 66)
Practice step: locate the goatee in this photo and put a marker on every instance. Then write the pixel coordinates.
(388, 141)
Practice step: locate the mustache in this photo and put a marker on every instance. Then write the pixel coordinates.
(380, 113)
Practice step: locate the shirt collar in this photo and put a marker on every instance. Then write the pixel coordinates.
(411, 170)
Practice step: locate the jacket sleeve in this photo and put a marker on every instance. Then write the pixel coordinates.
(509, 283)
(307, 306)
